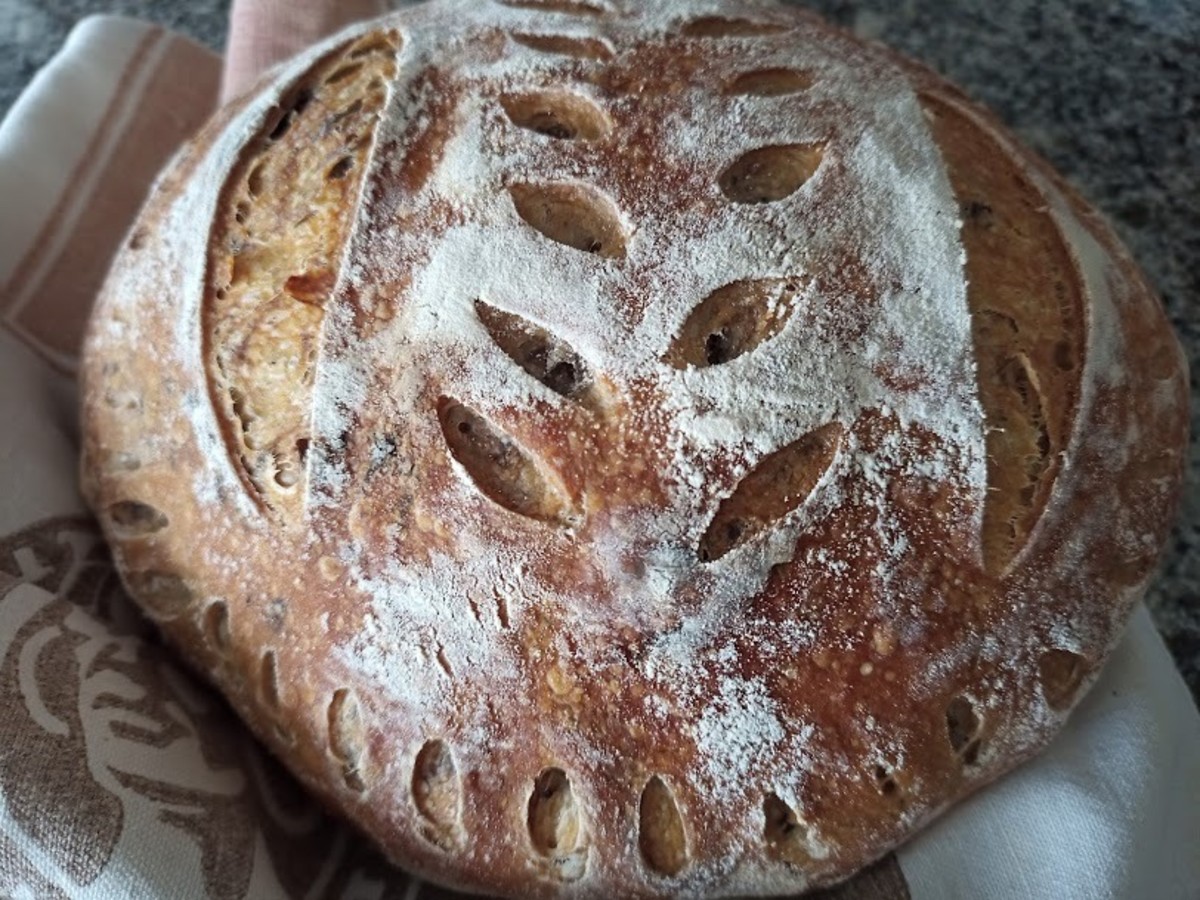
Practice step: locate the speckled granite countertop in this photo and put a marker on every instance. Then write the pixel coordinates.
(1109, 92)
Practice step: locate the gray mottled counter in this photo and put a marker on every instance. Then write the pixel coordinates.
(1109, 92)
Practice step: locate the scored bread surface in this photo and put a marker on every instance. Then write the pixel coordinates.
(615, 449)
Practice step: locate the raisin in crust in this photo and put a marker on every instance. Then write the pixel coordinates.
(643, 450)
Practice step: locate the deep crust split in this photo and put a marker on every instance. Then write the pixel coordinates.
(630, 452)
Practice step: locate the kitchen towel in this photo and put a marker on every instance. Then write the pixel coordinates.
(122, 776)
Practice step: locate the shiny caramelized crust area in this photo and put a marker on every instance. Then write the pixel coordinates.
(622, 449)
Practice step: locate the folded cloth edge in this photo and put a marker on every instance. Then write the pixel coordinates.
(78, 153)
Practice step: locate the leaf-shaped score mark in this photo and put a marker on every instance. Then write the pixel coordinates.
(1061, 673)
(662, 838)
(133, 519)
(556, 825)
(962, 729)
(347, 736)
(576, 215)
(437, 793)
(733, 320)
(502, 470)
(547, 358)
(785, 834)
(769, 174)
(563, 115)
(580, 47)
(777, 486)
(553, 817)
(774, 82)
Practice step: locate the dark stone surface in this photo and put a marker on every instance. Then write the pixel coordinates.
(31, 31)
(1109, 92)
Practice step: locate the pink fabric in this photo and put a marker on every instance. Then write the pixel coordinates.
(265, 32)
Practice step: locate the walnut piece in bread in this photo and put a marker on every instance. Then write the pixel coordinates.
(643, 450)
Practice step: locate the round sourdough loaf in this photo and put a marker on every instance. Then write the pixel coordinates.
(630, 450)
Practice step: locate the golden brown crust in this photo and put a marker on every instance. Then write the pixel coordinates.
(679, 501)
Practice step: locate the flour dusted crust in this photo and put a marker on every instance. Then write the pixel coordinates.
(614, 449)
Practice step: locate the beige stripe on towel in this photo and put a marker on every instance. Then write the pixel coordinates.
(167, 90)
